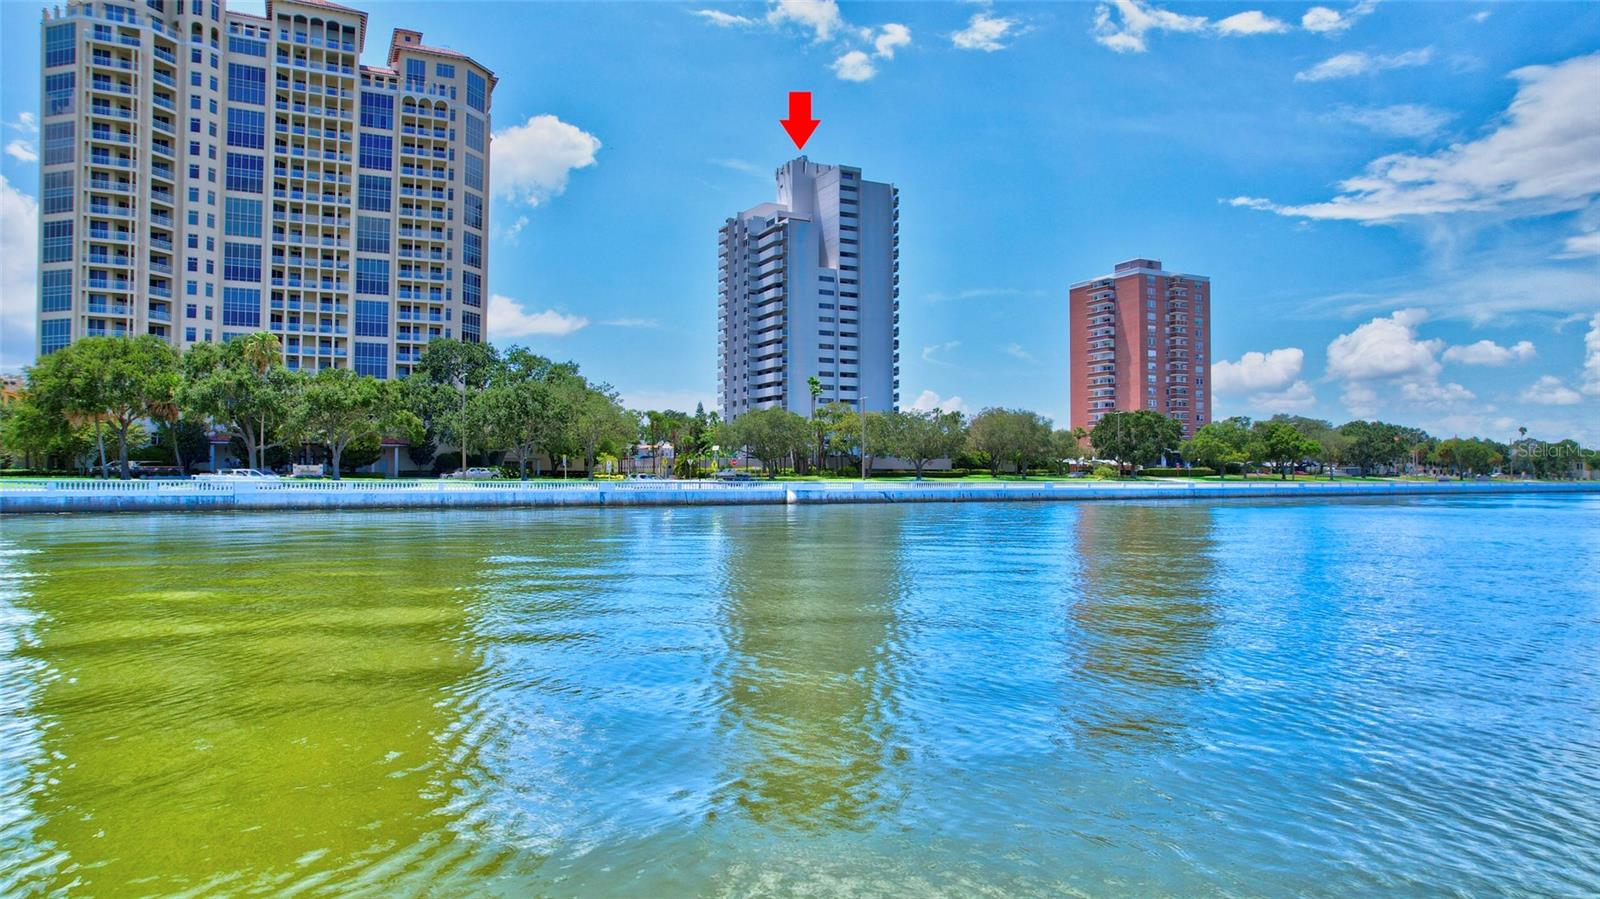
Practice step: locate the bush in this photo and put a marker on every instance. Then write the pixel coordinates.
(1195, 472)
(1105, 473)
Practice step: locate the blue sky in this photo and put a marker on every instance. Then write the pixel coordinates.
(1375, 189)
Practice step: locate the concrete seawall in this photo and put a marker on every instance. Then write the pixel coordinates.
(219, 495)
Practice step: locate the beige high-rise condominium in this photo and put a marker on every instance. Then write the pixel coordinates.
(208, 173)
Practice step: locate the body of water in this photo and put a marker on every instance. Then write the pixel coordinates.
(1121, 698)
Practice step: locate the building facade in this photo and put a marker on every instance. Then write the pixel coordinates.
(207, 173)
(809, 286)
(1141, 339)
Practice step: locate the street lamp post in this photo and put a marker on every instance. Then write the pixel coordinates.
(861, 413)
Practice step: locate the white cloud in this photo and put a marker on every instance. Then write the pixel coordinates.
(1255, 371)
(1386, 353)
(1251, 22)
(1122, 24)
(821, 17)
(1400, 120)
(1591, 358)
(632, 322)
(1486, 291)
(723, 19)
(1549, 391)
(1385, 348)
(854, 66)
(1481, 16)
(1323, 20)
(1355, 62)
(24, 149)
(1487, 352)
(891, 37)
(1542, 157)
(1297, 397)
(931, 353)
(927, 401)
(19, 257)
(507, 319)
(984, 32)
(532, 161)
(1580, 245)
(1016, 350)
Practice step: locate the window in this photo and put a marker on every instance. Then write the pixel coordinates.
(241, 217)
(241, 306)
(54, 334)
(372, 234)
(57, 192)
(377, 151)
(55, 290)
(472, 289)
(471, 250)
(246, 47)
(471, 327)
(245, 173)
(372, 359)
(240, 262)
(373, 193)
(247, 128)
(372, 318)
(191, 311)
(372, 277)
(444, 70)
(58, 90)
(475, 133)
(474, 172)
(58, 143)
(60, 44)
(473, 217)
(57, 241)
(377, 111)
(247, 84)
(477, 89)
(416, 73)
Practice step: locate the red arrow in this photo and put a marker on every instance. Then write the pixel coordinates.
(800, 124)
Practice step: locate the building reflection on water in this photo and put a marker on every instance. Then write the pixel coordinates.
(809, 701)
(1144, 621)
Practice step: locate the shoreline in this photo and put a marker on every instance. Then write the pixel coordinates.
(51, 496)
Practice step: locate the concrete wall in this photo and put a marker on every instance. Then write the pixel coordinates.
(18, 496)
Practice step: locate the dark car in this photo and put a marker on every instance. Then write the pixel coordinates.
(146, 471)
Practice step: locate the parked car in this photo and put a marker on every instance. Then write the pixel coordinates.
(473, 474)
(643, 477)
(146, 470)
(732, 475)
(246, 473)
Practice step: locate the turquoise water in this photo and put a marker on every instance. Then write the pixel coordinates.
(1365, 697)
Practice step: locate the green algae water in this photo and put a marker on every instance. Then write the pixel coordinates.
(1361, 697)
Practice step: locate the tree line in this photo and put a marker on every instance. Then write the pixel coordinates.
(92, 401)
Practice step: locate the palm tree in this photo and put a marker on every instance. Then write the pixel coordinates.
(814, 384)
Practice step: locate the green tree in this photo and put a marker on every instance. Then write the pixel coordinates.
(1017, 436)
(241, 386)
(441, 387)
(1135, 438)
(525, 417)
(1282, 444)
(339, 408)
(599, 422)
(115, 380)
(771, 435)
(1216, 446)
(921, 437)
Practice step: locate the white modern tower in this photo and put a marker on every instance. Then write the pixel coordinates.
(208, 173)
(808, 287)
